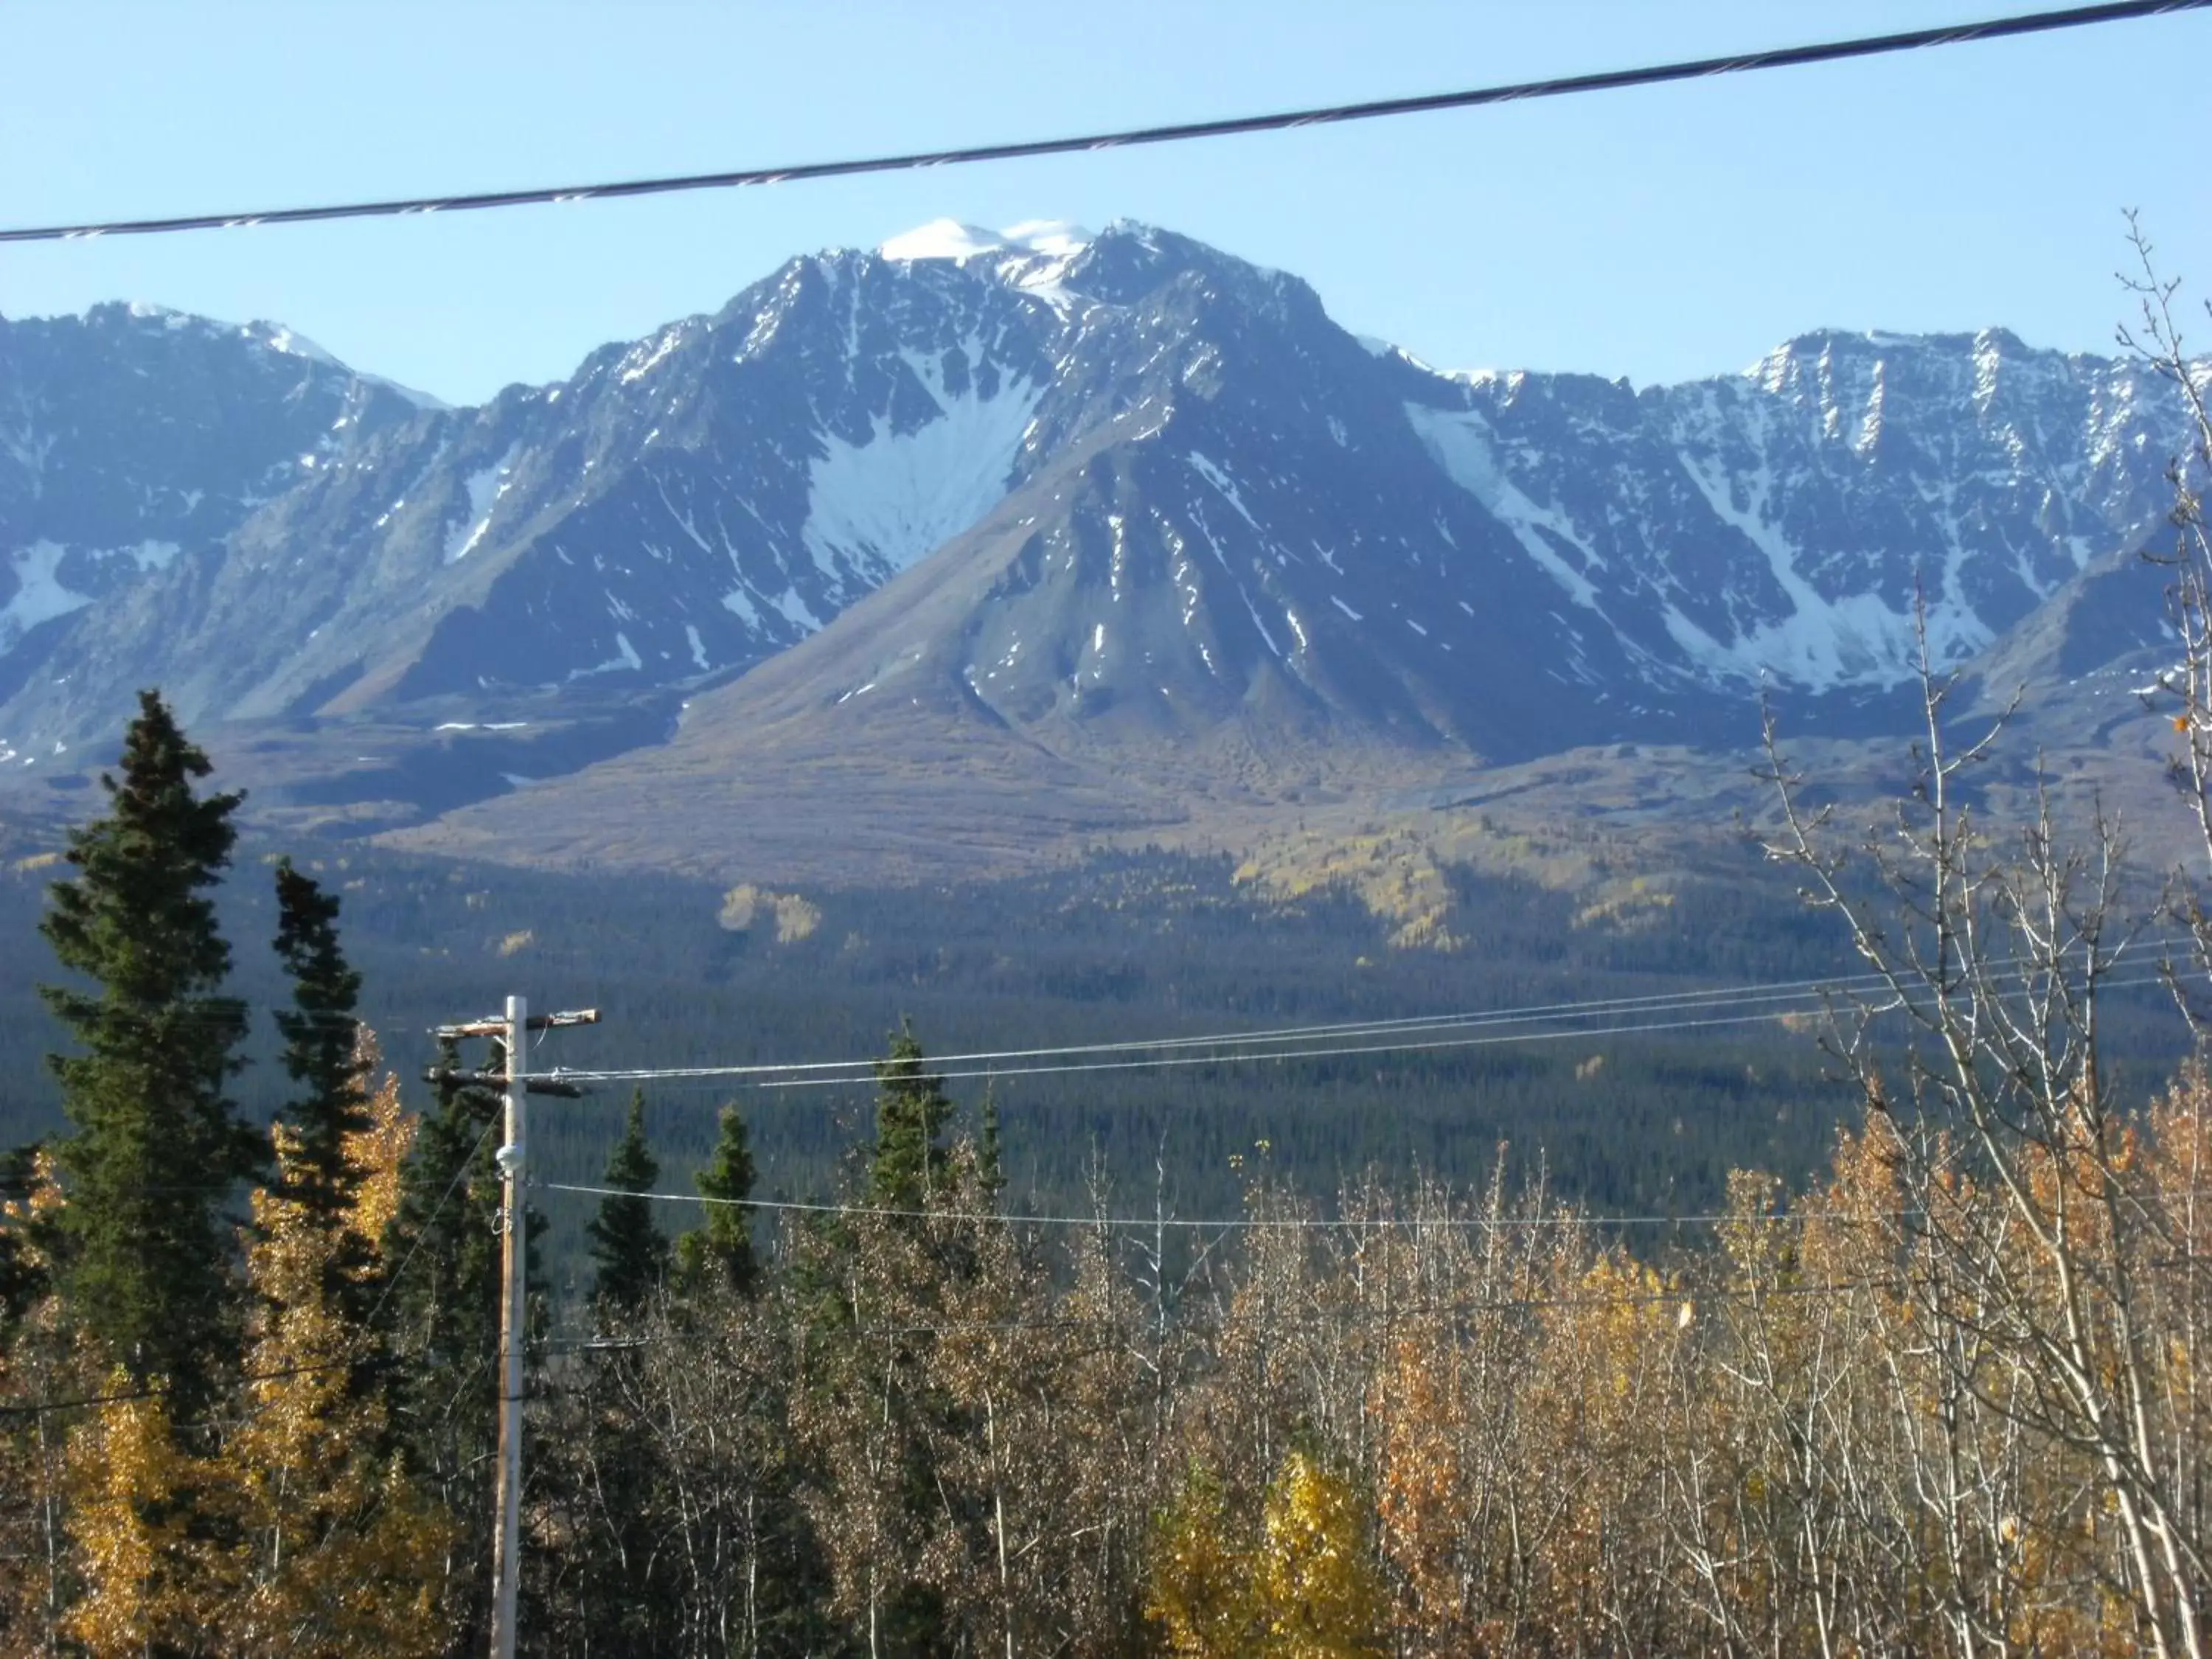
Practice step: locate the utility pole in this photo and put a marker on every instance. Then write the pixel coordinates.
(513, 1279)
(514, 1030)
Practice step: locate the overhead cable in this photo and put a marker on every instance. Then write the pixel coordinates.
(1231, 1223)
(1687, 1297)
(1338, 1037)
(1828, 51)
(1166, 1062)
(1581, 1007)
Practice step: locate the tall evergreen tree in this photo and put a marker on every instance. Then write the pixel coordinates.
(147, 1264)
(630, 1253)
(330, 1112)
(912, 1111)
(722, 1245)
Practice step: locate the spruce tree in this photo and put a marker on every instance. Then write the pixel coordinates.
(147, 1267)
(912, 1110)
(630, 1253)
(722, 1246)
(331, 1110)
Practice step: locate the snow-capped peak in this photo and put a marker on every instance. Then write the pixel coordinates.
(1055, 238)
(270, 337)
(279, 338)
(948, 239)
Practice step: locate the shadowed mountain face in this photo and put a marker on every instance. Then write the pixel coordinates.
(1093, 522)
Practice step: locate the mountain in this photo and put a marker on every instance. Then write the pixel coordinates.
(1094, 525)
(133, 435)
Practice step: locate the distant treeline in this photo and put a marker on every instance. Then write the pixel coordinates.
(1125, 946)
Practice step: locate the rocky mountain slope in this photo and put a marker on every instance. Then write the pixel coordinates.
(1139, 521)
(133, 435)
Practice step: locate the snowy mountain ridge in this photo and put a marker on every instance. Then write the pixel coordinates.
(1197, 500)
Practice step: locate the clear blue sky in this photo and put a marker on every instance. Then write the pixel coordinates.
(1657, 234)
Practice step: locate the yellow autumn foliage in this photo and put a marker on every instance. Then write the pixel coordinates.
(1319, 1594)
(1201, 1591)
(745, 907)
(146, 1577)
(1304, 1588)
(336, 1554)
(380, 1150)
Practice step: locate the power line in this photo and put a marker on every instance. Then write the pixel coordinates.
(1234, 1048)
(1233, 1223)
(1688, 1294)
(1170, 1061)
(1651, 1002)
(1828, 51)
(1164, 1062)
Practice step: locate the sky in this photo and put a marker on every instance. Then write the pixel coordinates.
(1659, 234)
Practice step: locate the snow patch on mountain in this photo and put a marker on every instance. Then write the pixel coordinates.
(797, 612)
(484, 488)
(40, 595)
(1460, 443)
(882, 504)
(151, 554)
(1823, 644)
(1222, 482)
(647, 354)
(625, 660)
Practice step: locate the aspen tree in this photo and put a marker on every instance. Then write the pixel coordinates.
(40, 1362)
(337, 1552)
(1202, 1592)
(148, 1579)
(2016, 1157)
(1319, 1596)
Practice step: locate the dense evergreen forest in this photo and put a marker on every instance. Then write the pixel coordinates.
(1120, 948)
